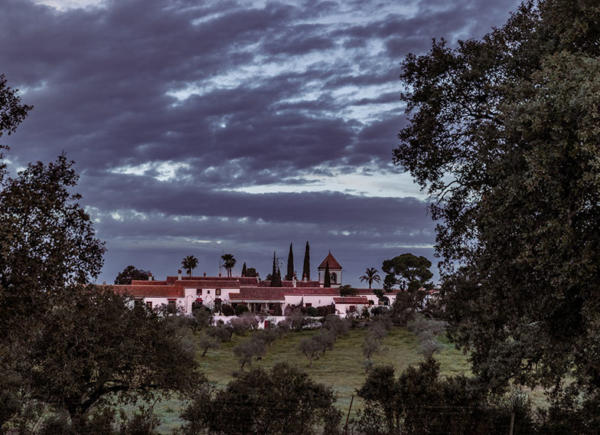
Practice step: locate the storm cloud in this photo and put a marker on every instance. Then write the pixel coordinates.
(231, 126)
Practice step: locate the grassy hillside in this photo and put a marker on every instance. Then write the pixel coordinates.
(341, 368)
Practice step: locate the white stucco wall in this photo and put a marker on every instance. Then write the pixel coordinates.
(209, 295)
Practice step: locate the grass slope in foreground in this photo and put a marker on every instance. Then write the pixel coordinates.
(341, 368)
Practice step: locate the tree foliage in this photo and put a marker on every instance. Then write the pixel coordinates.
(47, 241)
(66, 345)
(503, 134)
(327, 277)
(92, 347)
(419, 402)
(348, 290)
(275, 275)
(130, 273)
(228, 263)
(290, 265)
(407, 271)
(370, 276)
(281, 401)
(306, 263)
(12, 110)
(247, 350)
(189, 263)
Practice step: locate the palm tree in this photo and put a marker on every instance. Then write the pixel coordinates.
(370, 276)
(189, 263)
(228, 262)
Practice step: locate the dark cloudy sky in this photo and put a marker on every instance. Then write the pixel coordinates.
(211, 127)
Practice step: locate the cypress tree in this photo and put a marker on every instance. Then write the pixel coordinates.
(244, 269)
(276, 278)
(306, 267)
(290, 265)
(274, 271)
(327, 280)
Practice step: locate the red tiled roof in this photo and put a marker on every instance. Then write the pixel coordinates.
(290, 284)
(366, 291)
(258, 293)
(313, 291)
(333, 263)
(150, 291)
(146, 282)
(244, 280)
(351, 300)
(210, 284)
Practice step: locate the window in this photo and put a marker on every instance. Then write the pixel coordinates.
(149, 305)
(207, 292)
(352, 308)
(218, 292)
(333, 277)
(198, 292)
(308, 305)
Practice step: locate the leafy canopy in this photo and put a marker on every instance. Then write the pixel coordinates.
(64, 343)
(189, 263)
(503, 134)
(281, 401)
(130, 273)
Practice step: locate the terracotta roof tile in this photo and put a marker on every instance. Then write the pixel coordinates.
(351, 300)
(258, 293)
(333, 263)
(150, 291)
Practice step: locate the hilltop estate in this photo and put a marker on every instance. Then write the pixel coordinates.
(182, 292)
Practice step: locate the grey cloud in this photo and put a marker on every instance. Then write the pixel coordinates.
(275, 90)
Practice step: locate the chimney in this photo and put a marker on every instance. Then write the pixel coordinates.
(150, 276)
(304, 278)
(219, 274)
(204, 275)
(178, 274)
(294, 281)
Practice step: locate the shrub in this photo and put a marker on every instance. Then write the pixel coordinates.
(206, 342)
(369, 347)
(251, 348)
(221, 332)
(420, 402)
(296, 320)
(365, 313)
(325, 310)
(284, 325)
(379, 310)
(326, 339)
(267, 335)
(312, 312)
(282, 401)
(202, 316)
(426, 330)
(337, 325)
(240, 309)
(227, 310)
(346, 290)
(311, 349)
(377, 330)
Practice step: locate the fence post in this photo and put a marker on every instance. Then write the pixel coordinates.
(348, 415)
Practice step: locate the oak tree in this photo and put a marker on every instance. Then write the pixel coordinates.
(503, 135)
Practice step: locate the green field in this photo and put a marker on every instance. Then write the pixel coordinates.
(341, 368)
